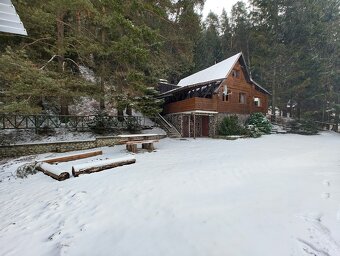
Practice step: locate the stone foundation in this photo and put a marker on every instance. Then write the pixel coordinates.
(175, 120)
(214, 120)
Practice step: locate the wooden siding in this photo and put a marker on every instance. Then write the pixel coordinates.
(191, 104)
(236, 85)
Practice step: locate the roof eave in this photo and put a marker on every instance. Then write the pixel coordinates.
(171, 92)
(261, 87)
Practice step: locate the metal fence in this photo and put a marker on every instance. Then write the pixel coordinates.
(69, 122)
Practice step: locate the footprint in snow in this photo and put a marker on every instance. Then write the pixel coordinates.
(326, 183)
(320, 241)
(326, 195)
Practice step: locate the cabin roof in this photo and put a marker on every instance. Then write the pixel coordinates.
(9, 19)
(216, 72)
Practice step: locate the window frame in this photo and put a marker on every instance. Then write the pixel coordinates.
(257, 102)
(242, 95)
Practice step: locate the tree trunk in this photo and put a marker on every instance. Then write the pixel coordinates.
(129, 110)
(103, 72)
(336, 121)
(60, 47)
(298, 109)
(102, 94)
(274, 96)
(120, 113)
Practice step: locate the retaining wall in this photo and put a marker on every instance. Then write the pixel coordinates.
(16, 150)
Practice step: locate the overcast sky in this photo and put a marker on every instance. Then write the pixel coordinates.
(217, 5)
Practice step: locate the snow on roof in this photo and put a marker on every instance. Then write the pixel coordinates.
(215, 72)
(9, 19)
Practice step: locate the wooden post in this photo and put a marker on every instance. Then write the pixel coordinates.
(182, 132)
(194, 126)
(189, 124)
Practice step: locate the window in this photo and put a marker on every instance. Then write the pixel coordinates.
(257, 102)
(225, 97)
(242, 98)
(235, 73)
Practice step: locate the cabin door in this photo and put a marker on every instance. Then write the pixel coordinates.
(205, 126)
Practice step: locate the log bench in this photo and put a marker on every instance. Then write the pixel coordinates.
(146, 144)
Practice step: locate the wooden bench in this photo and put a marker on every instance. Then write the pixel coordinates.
(146, 144)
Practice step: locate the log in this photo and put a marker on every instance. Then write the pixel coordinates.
(72, 157)
(53, 171)
(148, 146)
(132, 148)
(102, 165)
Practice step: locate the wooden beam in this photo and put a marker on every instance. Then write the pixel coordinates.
(100, 166)
(72, 157)
(53, 171)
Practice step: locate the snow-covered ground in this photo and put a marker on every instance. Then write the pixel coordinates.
(276, 195)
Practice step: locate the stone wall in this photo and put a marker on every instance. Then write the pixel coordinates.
(242, 118)
(65, 146)
(175, 120)
(212, 126)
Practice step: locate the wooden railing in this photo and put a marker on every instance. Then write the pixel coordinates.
(59, 121)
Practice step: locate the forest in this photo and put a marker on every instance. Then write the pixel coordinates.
(115, 51)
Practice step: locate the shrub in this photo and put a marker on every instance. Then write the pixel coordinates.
(133, 125)
(101, 123)
(45, 130)
(253, 131)
(304, 127)
(259, 124)
(230, 126)
(25, 170)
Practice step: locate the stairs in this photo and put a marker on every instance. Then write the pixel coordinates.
(170, 130)
(276, 129)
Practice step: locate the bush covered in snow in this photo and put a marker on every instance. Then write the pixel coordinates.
(258, 123)
(304, 127)
(133, 125)
(25, 170)
(230, 126)
(102, 123)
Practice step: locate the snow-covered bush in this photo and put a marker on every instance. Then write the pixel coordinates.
(258, 124)
(304, 127)
(253, 131)
(230, 126)
(45, 130)
(102, 123)
(25, 170)
(133, 125)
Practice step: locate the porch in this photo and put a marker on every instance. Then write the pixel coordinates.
(196, 123)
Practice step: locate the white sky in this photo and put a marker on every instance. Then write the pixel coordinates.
(217, 5)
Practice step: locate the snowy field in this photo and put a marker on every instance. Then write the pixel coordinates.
(276, 195)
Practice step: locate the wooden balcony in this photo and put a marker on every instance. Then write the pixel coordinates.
(191, 105)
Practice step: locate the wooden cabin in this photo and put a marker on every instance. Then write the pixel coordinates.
(201, 100)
